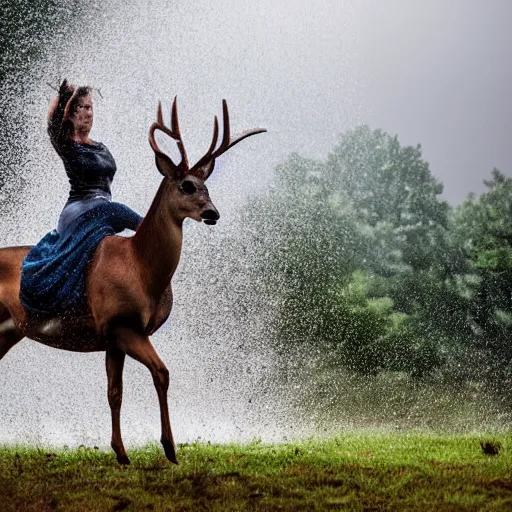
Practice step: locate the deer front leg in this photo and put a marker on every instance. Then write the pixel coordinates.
(115, 364)
(140, 348)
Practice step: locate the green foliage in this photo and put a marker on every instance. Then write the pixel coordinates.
(350, 271)
(412, 254)
(391, 187)
(483, 226)
(386, 182)
(360, 255)
(381, 339)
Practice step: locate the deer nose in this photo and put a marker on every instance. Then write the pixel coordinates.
(210, 216)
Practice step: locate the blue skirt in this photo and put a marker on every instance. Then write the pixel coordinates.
(53, 273)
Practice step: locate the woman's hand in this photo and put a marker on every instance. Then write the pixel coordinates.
(66, 89)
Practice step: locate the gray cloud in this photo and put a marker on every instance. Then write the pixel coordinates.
(438, 73)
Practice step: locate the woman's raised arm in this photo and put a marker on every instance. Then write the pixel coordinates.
(56, 114)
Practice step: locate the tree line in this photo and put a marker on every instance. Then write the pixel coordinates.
(358, 259)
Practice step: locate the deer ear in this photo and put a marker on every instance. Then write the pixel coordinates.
(205, 170)
(166, 166)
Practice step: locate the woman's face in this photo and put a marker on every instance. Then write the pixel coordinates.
(83, 116)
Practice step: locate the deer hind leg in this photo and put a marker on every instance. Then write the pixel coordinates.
(140, 348)
(115, 364)
(9, 336)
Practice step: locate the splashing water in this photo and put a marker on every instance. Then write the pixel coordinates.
(224, 371)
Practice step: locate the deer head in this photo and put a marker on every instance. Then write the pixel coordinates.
(190, 181)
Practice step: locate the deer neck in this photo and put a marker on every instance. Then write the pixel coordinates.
(157, 242)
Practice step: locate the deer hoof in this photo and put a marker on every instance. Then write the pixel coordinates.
(123, 459)
(170, 451)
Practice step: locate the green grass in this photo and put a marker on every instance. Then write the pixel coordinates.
(355, 471)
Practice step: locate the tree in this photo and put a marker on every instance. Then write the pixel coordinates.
(484, 227)
(413, 255)
(343, 254)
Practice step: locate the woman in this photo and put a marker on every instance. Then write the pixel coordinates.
(89, 165)
(53, 272)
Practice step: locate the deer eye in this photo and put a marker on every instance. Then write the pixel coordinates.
(187, 187)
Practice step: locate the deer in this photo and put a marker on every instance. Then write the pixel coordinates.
(128, 279)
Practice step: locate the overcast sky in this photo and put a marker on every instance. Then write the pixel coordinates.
(439, 73)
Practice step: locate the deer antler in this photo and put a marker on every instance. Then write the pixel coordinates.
(205, 165)
(165, 165)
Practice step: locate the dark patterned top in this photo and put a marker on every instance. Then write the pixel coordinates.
(90, 169)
